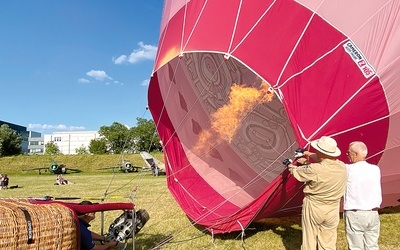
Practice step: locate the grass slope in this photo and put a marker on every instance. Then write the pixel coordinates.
(167, 224)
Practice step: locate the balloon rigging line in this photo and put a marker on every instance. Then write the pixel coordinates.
(144, 112)
(180, 231)
(391, 63)
(173, 174)
(166, 99)
(302, 134)
(370, 18)
(206, 153)
(171, 236)
(203, 231)
(253, 27)
(166, 164)
(249, 183)
(152, 141)
(183, 119)
(183, 26)
(163, 242)
(124, 185)
(281, 86)
(341, 107)
(235, 26)
(108, 187)
(216, 207)
(194, 26)
(191, 107)
(325, 53)
(134, 189)
(213, 209)
(113, 174)
(119, 188)
(161, 42)
(290, 199)
(378, 153)
(294, 48)
(361, 125)
(310, 65)
(203, 90)
(264, 172)
(278, 184)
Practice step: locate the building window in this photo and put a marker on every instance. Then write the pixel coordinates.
(57, 138)
(35, 151)
(33, 143)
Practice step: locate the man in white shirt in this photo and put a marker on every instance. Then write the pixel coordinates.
(362, 199)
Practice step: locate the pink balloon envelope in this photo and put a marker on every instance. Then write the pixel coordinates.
(237, 86)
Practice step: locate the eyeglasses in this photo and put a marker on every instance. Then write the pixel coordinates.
(350, 152)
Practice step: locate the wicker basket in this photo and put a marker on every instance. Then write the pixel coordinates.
(31, 226)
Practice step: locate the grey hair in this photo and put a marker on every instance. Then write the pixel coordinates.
(359, 148)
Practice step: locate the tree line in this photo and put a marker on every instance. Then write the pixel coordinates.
(114, 139)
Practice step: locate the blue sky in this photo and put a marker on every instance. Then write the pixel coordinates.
(76, 65)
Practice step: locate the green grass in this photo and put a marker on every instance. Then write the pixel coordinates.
(87, 164)
(167, 221)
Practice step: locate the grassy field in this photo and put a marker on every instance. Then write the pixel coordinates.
(168, 226)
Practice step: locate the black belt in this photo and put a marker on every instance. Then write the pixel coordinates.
(356, 210)
(28, 225)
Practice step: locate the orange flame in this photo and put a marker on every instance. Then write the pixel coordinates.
(226, 120)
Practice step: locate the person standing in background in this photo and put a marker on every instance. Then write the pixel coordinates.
(362, 199)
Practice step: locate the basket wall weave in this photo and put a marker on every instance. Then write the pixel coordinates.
(53, 226)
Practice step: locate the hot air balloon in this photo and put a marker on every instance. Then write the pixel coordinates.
(239, 85)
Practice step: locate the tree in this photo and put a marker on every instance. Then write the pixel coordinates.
(10, 141)
(145, 136)
(98, 146)
(51, 148)
(81, 150)
(117, 137)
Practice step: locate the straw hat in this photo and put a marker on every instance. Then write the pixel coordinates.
(326, 145)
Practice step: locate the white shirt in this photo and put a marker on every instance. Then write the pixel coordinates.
(363, 190)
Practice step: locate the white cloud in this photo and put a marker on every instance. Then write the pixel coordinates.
(54, 127)
(83, 80)
(99, 75)
(145, 82)
(145, 52)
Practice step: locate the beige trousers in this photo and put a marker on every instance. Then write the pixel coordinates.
(362, 229)
(319, 225)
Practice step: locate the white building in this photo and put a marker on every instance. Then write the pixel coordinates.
(35, 143)
(68, 142)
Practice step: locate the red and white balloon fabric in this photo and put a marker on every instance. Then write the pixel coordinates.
(238, 85)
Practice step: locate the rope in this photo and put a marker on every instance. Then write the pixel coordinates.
(173, 173)
(212, 238)
(242, 234)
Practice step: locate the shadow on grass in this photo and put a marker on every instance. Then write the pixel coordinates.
(159, 241)
(149, 241)
(390, 210)
(287, 228)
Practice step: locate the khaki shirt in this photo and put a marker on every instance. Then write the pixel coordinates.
(325, 181)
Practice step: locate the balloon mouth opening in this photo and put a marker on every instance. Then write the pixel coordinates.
(231, 127)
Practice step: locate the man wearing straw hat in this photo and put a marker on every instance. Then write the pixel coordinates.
(325, 184)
